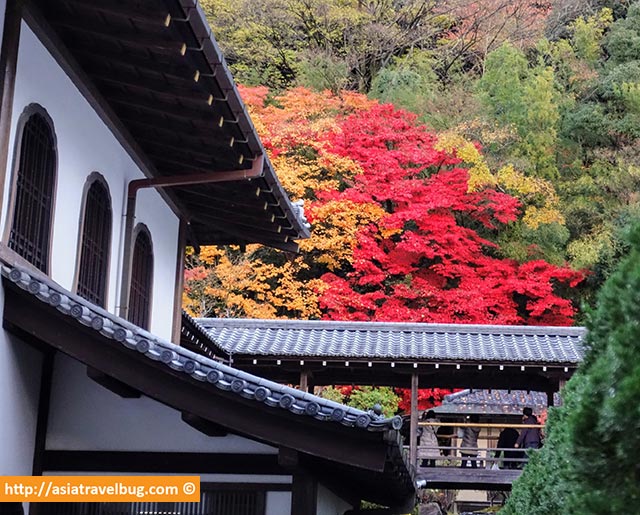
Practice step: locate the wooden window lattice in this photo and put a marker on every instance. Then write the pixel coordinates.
(141, 281)
(95, 245)
(31, 226)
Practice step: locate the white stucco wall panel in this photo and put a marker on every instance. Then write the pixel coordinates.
(20, 370)
(85, 144)
(3, 9)
(278, 503)
(86, 416)
(329, 503)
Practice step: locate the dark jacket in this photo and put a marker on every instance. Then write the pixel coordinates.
(529, 437)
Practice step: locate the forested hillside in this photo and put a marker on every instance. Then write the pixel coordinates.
(496, 188)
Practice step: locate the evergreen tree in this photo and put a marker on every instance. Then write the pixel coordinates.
(589, 464)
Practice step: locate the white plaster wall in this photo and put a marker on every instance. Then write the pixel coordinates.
(278, 503)
(3, 8)
(20, 368)
(329, 503)
(86, 416)
(86, 144)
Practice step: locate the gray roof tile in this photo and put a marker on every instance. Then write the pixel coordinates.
(411, 341)
(198, 367)
(493, 402)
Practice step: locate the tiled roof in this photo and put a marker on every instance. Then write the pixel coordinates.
(260, 390)
(411, 341)
(494, 402)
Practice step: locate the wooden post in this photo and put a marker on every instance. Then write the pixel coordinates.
(8, 64)
(413, 427)
(304, 488)
(304, 381)
(304, 494)
(179, 282)
(550, 394)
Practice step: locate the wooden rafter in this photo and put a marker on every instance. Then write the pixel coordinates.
(157, 43)
(127, 10)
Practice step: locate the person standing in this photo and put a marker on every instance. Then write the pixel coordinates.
(469, 445)
(429, 440)
(530, 436)
(507, 440)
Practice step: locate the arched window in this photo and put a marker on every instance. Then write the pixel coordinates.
(36, 176)
(95, 244)
(141, 279)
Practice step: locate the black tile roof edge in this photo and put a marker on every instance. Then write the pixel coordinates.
(331, 325)
(198, 367)
(202, 332)
(212, 53)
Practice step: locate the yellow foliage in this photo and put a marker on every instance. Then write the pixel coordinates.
(538, 196)
(456, 145)
(334, 235)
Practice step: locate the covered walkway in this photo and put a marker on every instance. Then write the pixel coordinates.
(405, 355)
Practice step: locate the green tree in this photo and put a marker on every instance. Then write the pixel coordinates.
(589, 464)
(523, 97)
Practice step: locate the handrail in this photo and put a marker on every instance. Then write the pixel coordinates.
(488, 425)
(476, 454)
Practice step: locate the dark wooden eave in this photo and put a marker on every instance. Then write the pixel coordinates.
(163, 79)
(368, 459)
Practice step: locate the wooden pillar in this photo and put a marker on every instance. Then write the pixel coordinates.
(550, 394)
(304, 489)
(304, 494)
(304, 381)
(179, 282)
(413, 427)
(561, 384)
(8, 64)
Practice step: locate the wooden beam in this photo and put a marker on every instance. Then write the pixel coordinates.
(113, 385)
(129, 10)
(8, 62)
(240, 224)
(168, 462)
(204, 426)
(166, 161)
(180, 69)
(456, 478)
(177, 133)
(155, 43)
(229, 202)
(44, 403)
(158, 86)
(194, 153)
(261, 220)
(207, 115)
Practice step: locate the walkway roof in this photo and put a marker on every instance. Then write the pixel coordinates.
(401, 341)
(445, 355)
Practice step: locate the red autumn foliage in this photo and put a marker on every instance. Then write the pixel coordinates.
(431, 258)
(427, 398)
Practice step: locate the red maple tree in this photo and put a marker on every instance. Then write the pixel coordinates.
(432, 257)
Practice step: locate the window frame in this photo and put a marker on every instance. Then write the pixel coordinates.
(92, 179)
(141, 229)
(27, 113)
